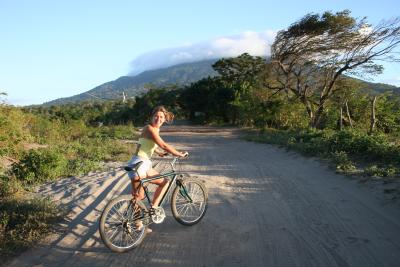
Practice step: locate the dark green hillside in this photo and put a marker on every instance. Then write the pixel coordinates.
(379, 88)
(181, 74)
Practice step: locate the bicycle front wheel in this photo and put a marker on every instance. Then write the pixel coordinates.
(189, 201)
(121, 226)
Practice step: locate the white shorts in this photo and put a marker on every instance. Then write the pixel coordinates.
(143, 169)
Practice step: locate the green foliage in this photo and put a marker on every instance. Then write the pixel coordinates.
(344, 147)
(279, 113)
(88, 113)
(309, 59)
(240, 76)
(315, 24)
(388, 114)
(41, 165)
(80, 166)
(118, 113)
(72, 147)
(9, 186)
(239, 70)
(342, 161)
(24, 221)
(167, 96)
(210, 98)
(384, 171)
(13, 133)
(114, 132)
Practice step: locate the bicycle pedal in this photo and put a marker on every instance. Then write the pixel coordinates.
(152, 211)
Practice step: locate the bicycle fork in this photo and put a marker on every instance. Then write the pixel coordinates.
(183, 191)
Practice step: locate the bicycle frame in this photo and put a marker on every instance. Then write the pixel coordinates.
(124, 220)
(172, 173)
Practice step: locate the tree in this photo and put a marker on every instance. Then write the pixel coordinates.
(240, 74)
(346, 90)
(209, 97)
(311, 56)
(166, 96)
(373, 116)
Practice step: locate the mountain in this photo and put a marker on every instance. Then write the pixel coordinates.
(182, 74)
(379, 88)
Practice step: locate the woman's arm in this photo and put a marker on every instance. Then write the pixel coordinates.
(158, 140)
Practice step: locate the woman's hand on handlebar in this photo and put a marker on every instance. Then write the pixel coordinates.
(184, 154)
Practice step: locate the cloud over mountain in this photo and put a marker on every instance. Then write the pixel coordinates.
(254, 43)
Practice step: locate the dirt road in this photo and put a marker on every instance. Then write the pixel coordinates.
(267, 207)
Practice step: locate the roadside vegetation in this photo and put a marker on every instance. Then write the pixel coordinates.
(38, 147)
(305, 97)
(352, 151)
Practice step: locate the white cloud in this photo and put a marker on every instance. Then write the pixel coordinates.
(254, 43)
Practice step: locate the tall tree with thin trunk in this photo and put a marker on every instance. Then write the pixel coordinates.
(348, 113)
(373, 116)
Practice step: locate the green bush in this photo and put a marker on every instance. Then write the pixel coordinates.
(86, 154)
(80, 166)
(342, 161)
(375, 170)
(41, 165)
(117, 150)
(13, 131)
(90, 148)
(121, 132)
(9, 185)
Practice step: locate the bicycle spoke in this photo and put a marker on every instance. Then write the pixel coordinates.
(189, 202)
(114, 218)
(114, 234)
(117, 227)
(117, 213)
(113, 225)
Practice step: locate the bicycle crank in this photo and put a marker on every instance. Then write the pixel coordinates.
(158, 215)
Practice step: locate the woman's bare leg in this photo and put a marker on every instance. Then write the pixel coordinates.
(137, 193)
(162, 187)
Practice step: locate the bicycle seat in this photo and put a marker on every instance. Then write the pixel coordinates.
(133, 167)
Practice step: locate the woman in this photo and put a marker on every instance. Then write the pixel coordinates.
(148, 142)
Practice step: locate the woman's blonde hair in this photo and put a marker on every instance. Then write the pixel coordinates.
(169, 116)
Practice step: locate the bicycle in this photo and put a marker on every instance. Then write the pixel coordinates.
(119, 227)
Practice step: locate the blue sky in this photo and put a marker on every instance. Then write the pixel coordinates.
(52, 49)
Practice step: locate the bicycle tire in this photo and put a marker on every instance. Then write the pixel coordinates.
(119, 217)
(189, 209)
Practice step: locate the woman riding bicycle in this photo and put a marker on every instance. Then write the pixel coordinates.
(125, 220)
(148, 142)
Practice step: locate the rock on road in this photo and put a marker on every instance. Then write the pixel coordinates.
(267, 207)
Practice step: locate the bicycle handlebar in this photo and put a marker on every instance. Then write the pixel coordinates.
(186, 155)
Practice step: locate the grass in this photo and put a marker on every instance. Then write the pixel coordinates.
(25, 221)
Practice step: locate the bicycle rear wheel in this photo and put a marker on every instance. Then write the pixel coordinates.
(189, 201)
(119, 224)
